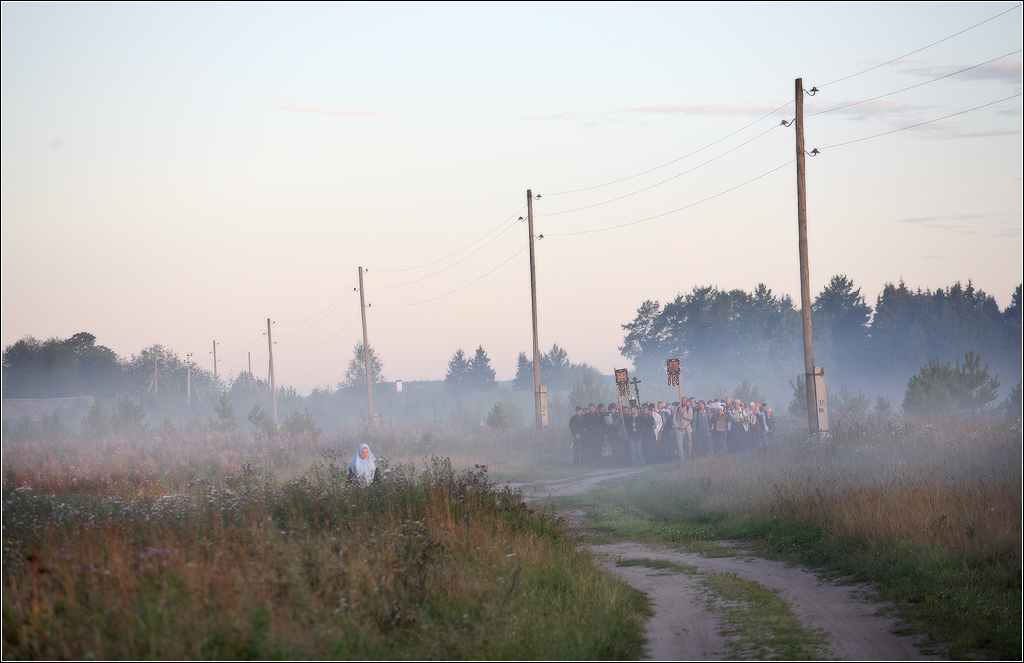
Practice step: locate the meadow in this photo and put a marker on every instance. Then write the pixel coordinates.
(928, 513)
(169, 545)
(185, 547)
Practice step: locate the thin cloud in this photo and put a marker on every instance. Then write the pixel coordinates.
(964, 224)
(294, 107)
(706, 109)
(1004, 71)
(1009, 233)
(944, 222)
(858, 110)
(661, 109)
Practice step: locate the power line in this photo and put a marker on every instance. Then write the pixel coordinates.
(334, 304)
(920, 124)
(678, 209)
(246, 348)
(889, 94)
(443, 269)
(685, 172)
(303, 347)
(433, 262)
(685, 156)
(434, 299)
(955, 34)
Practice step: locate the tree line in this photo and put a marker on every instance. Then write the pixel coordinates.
(727, 336)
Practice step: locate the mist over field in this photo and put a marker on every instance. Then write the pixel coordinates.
(241, 241)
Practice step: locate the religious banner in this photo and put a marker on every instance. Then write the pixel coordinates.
(673, 372)
(622, 381)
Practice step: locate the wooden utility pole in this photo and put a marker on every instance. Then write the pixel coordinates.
(538, 405)
(815, 423)
(273, 383)
(215, 361)
(366, 353)
(156, 374)
(188, 379)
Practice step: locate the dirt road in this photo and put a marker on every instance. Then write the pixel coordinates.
(684, 628)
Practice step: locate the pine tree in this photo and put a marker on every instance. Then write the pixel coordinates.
(481, 375)
(457, 377)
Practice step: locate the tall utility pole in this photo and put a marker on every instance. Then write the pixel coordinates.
(188, 379)
(156, 374)
(273, 384)
(215, 361)
(817, 413)
(366, 353)
(537, 400)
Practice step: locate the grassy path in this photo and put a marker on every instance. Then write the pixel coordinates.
(724, 604)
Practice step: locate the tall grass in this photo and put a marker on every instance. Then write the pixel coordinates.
(929, 512)
(220, 548)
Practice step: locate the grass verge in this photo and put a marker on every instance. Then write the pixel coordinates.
(927, 514)
(425, 564)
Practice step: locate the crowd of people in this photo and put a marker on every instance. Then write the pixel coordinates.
(662, 432)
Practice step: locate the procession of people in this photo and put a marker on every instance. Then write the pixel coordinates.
(662, 432)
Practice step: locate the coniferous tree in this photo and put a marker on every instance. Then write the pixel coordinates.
(481, 375)
(524, 373)
(457, 378)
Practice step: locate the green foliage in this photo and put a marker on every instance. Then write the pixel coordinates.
(798, 406)
(226, 421)
(264, 427)
(747, 393)
(733, 335)
(883, 406)
(129, 418)
(472, 375)
(591, 387)
(167, 428)
(161, 372)
(481, 375)
(301, 423)
(847, 312)
(96, 424)
(846, 402)
(524, 373)
(48, 427)
(198, 424)
(355, 374)
(719, 335)
(457, 377)
(557, 373)
(246, 386)
(943, 389)
(498, 417)
(950, 489)
(339, 572)
(1012, 405)
(58, 368)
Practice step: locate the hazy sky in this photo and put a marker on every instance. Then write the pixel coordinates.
(177, 174)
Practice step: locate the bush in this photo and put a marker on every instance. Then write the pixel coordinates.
(941, 389)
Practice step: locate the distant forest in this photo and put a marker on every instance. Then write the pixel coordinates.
(723, 338)
(726, 337)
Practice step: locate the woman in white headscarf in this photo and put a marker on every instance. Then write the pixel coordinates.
(363, 466)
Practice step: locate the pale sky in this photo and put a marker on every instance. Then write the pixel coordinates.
(177, 174)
